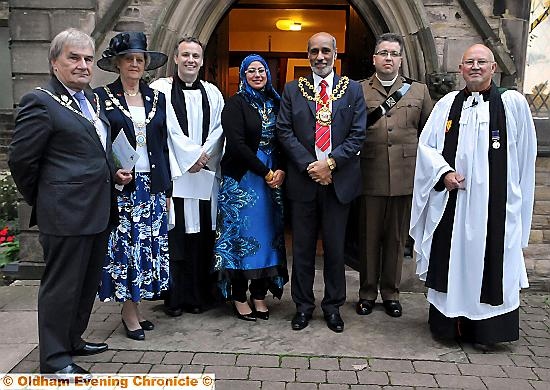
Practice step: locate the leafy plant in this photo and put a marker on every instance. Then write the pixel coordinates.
(9, 246)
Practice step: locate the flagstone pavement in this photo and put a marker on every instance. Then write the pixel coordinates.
(374, 351)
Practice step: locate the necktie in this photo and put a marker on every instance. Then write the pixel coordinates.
(322, 132)
(83, 106)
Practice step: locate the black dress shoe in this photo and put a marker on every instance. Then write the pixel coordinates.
(146, 325)
(262, 315)
(90, 349)
(365, 306)
(72, 369)
(393, 308)
(245, 317)
(300, 320)
(335, 322)
(193, 309)
(173, 311)
(137, 334)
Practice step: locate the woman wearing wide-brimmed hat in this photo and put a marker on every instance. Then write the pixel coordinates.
(136, 265)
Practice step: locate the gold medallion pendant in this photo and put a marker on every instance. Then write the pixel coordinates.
(324, 116)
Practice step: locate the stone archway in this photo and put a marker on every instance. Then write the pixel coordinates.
(407, 18)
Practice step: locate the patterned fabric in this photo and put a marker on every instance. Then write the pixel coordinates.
(250, 227)
(136, 265)
(322, 132)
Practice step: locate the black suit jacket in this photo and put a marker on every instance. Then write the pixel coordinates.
(296, 133)
(156, 132)
(59, 165)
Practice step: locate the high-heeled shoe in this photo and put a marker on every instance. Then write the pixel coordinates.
(137, 334)
(245, 317)
(262, 315)
(146, 325)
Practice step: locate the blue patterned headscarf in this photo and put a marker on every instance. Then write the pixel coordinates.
(257, 97)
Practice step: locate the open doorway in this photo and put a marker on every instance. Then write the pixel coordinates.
(279, 32)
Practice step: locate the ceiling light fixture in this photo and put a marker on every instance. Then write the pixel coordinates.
(288, 25)
(296, 26)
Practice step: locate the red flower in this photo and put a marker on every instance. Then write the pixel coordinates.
(10, 238)
(4, 232)
(2, 239)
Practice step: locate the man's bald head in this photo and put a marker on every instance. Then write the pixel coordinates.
(324, 36)
(321, 51)
(477, 67)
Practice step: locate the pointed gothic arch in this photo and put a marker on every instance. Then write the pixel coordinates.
(407, 18)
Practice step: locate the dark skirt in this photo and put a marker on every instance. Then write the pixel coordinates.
(498, 329)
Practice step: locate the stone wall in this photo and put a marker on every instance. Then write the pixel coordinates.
(33, 23)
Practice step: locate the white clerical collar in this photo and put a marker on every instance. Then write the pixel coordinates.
(329, 79)
(387, 83)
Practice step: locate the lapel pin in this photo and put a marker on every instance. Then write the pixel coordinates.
(147, 98)
(448, 125)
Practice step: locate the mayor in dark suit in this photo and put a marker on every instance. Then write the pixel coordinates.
(60, 160)
(321, 128)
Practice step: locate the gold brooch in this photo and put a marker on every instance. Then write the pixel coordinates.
(448, 125)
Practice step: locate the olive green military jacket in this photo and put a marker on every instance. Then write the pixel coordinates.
(388, 155)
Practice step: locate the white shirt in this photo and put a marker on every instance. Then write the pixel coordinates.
(138, 115)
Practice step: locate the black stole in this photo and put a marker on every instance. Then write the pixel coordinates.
(438, 270)
(180, 108)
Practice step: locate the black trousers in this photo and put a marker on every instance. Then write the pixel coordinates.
(191, 281)
(239, 286)
(66, 295)
(327, 214)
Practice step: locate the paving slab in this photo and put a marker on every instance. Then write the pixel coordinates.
(375, 335)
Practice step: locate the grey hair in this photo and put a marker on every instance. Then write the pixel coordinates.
(71, 36)
(389, 37)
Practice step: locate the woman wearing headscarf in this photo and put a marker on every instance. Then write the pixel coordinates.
(250, 245)
(136, 264)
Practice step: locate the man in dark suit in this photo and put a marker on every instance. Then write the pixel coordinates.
(321, 127)
(60, 159)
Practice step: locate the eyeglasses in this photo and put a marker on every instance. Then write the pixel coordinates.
(384, 53)
(470, 63)
(252, 71)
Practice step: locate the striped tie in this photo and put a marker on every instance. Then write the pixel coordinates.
(322, 133)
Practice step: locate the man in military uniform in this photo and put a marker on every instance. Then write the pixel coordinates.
(397, 110)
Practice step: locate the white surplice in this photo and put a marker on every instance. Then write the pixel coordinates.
(469, 232)
(186, 150)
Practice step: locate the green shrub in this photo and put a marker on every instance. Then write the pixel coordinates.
(9, 245)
